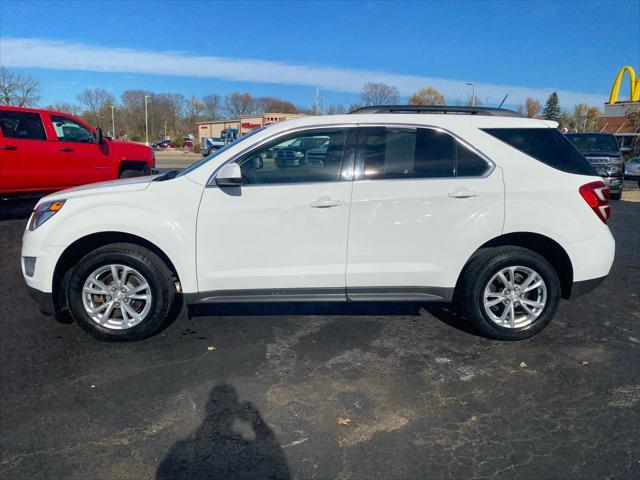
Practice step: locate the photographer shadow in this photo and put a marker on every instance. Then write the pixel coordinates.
(233, 442)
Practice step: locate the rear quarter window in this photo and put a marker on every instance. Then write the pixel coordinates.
(547, 145)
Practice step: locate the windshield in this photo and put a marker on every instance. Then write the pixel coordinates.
(217, 152)
(586, 142)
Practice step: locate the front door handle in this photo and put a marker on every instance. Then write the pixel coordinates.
(66, 149)
(8, 147)
(325, 202)
(463, 193)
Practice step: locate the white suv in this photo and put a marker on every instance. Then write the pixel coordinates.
(495, 212)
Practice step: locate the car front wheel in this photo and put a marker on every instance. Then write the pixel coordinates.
(509, 293)
(121, 292)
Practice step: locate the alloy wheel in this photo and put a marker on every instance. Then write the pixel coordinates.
(116, 297)
(515, 297)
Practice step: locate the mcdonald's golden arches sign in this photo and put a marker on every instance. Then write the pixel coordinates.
(634, 94)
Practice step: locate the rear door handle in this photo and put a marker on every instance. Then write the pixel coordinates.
(8, 147)
(463, 193)
(66, 149)
(325, 202)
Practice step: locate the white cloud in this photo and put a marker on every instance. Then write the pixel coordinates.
(62, 55)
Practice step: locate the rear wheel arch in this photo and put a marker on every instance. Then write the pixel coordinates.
(133, 166)
(545, 246)
(82, 246)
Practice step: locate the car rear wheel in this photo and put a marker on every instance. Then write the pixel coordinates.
(509, 293)
(121, 292)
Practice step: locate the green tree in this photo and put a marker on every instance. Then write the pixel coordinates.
(552, 110)
(427, 96)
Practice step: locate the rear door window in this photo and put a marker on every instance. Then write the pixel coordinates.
(23, 125)
(547, 145)
(394, 153)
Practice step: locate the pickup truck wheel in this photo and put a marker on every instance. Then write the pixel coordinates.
(135, 172)
(121, 292)
(509, 293)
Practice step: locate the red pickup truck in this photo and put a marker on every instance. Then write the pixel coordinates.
(42, 150)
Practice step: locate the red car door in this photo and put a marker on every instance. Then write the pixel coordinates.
(27, 158)
(81, 159)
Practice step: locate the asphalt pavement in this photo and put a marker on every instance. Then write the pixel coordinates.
(372, 391)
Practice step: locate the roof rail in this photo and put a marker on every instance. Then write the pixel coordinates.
(456, 110)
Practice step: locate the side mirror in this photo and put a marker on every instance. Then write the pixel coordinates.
(100, 135)
(229, 176)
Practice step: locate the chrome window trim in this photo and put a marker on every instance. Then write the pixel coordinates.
(492, 166)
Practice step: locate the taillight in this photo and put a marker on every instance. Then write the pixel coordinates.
(596, 194)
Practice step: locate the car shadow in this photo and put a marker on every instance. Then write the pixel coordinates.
(233, 442)
(444, 312)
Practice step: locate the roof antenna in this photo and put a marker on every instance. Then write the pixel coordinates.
(502, 102)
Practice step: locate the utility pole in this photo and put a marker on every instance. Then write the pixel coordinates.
(146, 119)
(317, 93)
(165, 130)
(473, 93)
(113, 123)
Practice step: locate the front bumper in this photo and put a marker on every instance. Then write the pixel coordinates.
(44, 300)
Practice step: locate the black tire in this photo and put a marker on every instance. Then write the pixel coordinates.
(480, 270)
(616, 196)
(154, 271)
(135, 172)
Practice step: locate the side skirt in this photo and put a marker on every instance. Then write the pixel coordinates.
(353, 294)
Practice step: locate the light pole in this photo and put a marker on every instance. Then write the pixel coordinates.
(113, 123)
(146, 119)
(473, 93)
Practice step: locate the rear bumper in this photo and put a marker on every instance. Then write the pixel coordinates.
(44, 300)
(585, 286)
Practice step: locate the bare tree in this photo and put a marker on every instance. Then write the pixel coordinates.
(473, 101)
(584, 118)
(427, 96)
(17, 89)
(633, 117)
(212, 106)
(275, 105)
(335, 110)
(133, 113)
(353, 107)
(193, 114)
(379, 94)
(237, 104)
(64, 107)
(97, 101)
(532, 106)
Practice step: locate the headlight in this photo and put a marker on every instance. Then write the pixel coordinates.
(44, 212)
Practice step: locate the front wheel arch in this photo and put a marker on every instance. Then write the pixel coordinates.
(79, 248)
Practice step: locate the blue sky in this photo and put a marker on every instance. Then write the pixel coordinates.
(285, 49)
